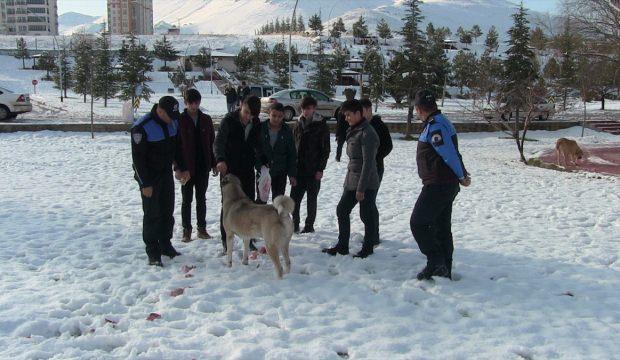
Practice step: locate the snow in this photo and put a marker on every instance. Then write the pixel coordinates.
(536, 264)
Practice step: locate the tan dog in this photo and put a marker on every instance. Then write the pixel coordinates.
(568, 149)
(244, 218)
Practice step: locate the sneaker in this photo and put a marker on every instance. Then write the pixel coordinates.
(336, 250)
(203, 234)
(364, 253)
(155, 261)
(308, 230)
(187, 235)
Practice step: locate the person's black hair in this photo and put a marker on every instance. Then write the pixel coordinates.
(277, 107)
(243, 82)
(425, 100)
(352, 106)
(253, 103)
(366, 103)
(308, 101)
(192, 96)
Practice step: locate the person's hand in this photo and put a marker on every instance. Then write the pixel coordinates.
(318, 175)
(222, 168)
(185, 177)
(359, 195)
(215, 172)
(293, 180)
(147, 192)
(466, 181)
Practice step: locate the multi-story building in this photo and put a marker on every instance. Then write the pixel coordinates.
(28, 17)
(130, 17)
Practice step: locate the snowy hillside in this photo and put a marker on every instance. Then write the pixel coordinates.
(214, 16)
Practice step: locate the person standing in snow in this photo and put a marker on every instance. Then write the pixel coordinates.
(441, 168)
(361, 183)
(155, 149)
(235, 149)
(198, 136)
(341, 124)
(231, 98)
(385, 140)
(277, 151)
(312, 143)
(243, 92)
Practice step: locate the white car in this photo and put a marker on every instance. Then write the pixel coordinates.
(12, 104)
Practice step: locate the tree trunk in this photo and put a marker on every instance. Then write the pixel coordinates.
(24, 63)
(602, 101)
(564, 96)
(84, 98)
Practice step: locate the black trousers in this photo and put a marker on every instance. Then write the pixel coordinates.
(278, 187)
(158, 220)
(431, 223)
(248, 186)
(312, 186)
(368, 214)
(200, 181)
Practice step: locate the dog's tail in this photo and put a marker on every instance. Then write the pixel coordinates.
(284, 204)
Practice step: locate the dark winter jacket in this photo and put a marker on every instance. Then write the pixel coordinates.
(281, 159)
(312, 143)
(438, 157)
(362, 145)
(234, 146)
(155, 148)
(243, 92)
(231, 96)
(190, 139)
(341, 132)
(385, 139)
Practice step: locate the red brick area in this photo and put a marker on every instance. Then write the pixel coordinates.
(599, 159)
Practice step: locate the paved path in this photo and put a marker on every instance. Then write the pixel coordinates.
(599, 159)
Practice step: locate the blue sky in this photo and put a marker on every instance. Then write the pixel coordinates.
(98, 7)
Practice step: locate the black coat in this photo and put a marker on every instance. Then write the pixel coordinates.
(312, 142)
(233, 147)
(385, 139)
(281, 159)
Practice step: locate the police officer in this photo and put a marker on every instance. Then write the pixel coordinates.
(440, 166)
(155, 148)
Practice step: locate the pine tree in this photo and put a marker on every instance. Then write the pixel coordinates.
(519, 67)
(83, 69)
(278, 28)
(489, 74)
(46, 62)
(62, 71)
(135, 61)
(260, 56)
(338, 28)
(464, 36)
(315, 24)
(203, 60)
(539, 39)
(437, 60)
(476, 32)
(465, 68)
(383, 31)
(360, 29)
(492, 40)
(301, 25)
(414, 51)
(105, 82)
(374, 63)
(294, 24)
(567, 43)
(551, 70)
(243, 62)
(165, 51)
(322, 78)
(396, 85)
(21, 51)
(338, 62)
(279, 63)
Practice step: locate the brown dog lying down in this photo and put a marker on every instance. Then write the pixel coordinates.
(569, 150)
(244, 218)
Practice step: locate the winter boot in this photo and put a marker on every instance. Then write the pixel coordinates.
(203, 234)
(155, 261)
(187, 235)
(308, 229)
(366, 251)
(338, 249)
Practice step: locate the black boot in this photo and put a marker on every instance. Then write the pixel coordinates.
(429, 271)
(170, 251)
(366, 251)
(155, 261)
(308, 229)
(333, 251)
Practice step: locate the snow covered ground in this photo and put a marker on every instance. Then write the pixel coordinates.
(536, 264)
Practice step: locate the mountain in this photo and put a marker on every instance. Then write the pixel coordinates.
(246, 16)
(71, 22)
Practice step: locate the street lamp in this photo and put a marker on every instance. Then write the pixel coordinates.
(60, 79)
(290, 56)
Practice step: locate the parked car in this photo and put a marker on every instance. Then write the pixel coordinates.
(291, 99)
(543, 110)
(12, 104)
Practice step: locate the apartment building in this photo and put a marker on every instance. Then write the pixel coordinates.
(28, 17)
(130, 17)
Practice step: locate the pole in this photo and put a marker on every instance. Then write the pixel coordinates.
(211, 58)
(290, 48)
(92, 120)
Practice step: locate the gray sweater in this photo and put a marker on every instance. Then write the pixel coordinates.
(362, 145)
